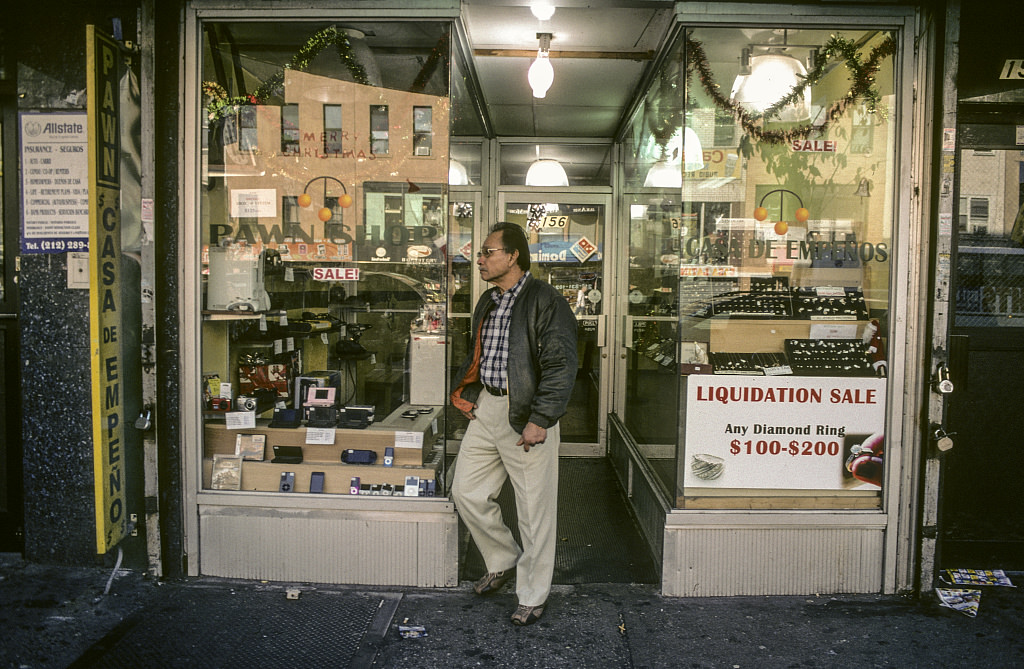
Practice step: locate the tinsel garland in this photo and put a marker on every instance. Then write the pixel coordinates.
(437, 55)
(862, 88)
(220, 103)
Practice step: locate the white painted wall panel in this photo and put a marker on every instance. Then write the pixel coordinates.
(330, 546)
(722, 561)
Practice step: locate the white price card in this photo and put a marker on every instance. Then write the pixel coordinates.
(240, 420)
(408, 439)
(320, 435)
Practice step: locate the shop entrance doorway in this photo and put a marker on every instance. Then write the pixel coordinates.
(568, 250)
(982, 523)
(598, 538)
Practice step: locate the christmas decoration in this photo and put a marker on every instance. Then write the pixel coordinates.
(781, 227)
(324, 214)
(219, 103)
(861, 89)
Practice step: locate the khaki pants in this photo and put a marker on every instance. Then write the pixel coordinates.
(488, 455)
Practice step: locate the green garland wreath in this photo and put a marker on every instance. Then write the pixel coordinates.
(862, 88)
(220, 103)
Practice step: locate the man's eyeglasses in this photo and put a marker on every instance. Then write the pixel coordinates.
(486, 252)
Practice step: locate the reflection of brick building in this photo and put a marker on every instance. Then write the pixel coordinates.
(326, 140)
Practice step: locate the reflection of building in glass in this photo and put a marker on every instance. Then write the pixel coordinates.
(990, 265)
(293, 174)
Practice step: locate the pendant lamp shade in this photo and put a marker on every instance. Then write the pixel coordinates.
(546, 172)
(667, 172)
(457, 174)
(772, 76)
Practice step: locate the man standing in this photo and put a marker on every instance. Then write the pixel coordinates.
(514, 386)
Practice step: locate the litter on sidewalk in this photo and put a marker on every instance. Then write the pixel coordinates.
(959, 599)
(407, 631)
(975, 577)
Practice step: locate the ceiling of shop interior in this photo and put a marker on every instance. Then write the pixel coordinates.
(611, 43)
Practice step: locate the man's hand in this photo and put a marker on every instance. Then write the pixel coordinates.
(532, 435)
(469, 414)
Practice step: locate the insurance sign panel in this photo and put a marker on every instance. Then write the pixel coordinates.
(54, 183)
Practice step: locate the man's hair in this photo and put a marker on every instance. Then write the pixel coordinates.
(513, 238)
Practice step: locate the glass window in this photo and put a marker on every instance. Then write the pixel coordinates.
(422, 130)
(290, 130)
(324, 275)
(561, 164)
(333, 134)
(760, 259)
(379, 129)
(990, 261)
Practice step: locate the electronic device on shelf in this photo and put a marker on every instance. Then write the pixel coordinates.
(236, 281)
(322, 417)
(829, 357)
(320, 396)
(356, 417)
(287, 418)
(289, 455)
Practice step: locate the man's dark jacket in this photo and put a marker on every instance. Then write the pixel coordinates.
(542, 359)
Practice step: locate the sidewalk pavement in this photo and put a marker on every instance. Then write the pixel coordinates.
(60, 617)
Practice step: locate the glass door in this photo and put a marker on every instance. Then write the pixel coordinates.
(568, 250)
(979, 479)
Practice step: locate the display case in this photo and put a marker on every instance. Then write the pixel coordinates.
(759, 268)
(324, 271)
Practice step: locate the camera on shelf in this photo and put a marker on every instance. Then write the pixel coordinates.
(220, 404)
(246, 403)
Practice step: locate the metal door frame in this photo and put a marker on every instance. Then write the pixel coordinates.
(11, 520)
(605, 320)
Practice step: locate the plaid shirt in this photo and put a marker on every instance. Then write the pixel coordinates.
(494, 337)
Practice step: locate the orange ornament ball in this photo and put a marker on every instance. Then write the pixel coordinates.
(802, 214)
(760, 213)
(324, 214)
(345, 200)
(781, 228)
(305, 200)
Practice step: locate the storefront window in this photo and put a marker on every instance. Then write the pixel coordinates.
(323, 224)
(557, 165)
(760, 253)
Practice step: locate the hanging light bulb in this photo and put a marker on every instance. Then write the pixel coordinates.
(541, 74)
(542, 9)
